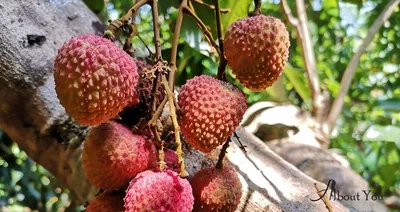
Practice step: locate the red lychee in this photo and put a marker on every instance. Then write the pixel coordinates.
(158, 191)
(257, 49)
(113, 155)
(107, 202)
(216, 190)
(211, 111)
(94, 79)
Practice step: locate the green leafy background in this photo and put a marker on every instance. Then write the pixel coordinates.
(367, 133)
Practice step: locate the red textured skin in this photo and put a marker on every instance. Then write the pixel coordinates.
(158, 192)
(107, 202)
(257, 49)
(211, 111)
(113, 155)
(94, 79)
(171, 159)
(216, 190)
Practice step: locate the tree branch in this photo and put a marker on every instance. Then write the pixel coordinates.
(204, 29)
(288, 14)
(175, 42)
(305, 41)
(351, 68)
(222, 60)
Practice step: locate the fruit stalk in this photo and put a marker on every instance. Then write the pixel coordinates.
(156, 83)
(115, 26)
(175, 42)
(179, 152)
(223, 62)
(257, 9)
(222, 154)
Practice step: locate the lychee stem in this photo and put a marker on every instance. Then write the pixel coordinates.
(179, 152)
(158, 111)
(128, 47)
(161, 157)
(115, 26)
(242, 147)
(175, 42)
(257, 9)
(222, 60)
(222, 154)
(204, 29)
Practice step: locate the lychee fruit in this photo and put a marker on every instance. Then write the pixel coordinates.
(256, 49)
(216, 189)
(107, 202)
(94, 79)
(113, 155)
(132, 115)
(158, 191)
(171, 159)
(210, 111)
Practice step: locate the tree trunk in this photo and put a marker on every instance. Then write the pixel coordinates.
(31, 115)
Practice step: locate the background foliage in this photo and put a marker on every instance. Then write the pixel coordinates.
(367, 134)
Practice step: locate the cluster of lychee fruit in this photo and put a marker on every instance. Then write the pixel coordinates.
(96, 82)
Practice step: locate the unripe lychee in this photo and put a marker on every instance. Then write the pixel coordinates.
(107, 202)
(257, 49)
(113, 155)
(158, 191)
(216, 189)
(132, 115)
(94, 79)
(211, 111)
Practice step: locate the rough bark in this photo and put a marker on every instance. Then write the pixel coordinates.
(31, 115)
(286, 129)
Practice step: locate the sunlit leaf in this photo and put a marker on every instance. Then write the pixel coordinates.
(382, 133)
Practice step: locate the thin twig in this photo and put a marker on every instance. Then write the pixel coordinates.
(305, 41)
(156, 81)
(179, 152)
(158, 112)
(130, 12)
(204, 29)
(222, 154)
(222, 62)
(223, 10)
(128, 47)
(355, 60)
(175, 42)
(145, 44)
(241, 146)
(288, 13)
(324, 198)
(115, 26)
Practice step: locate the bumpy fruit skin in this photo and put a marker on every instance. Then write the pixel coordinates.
(107, 202)
(257, 49)
(94, 79)
(132, 115)
(216, 190)
(113, 155)
(171, 159)
(211, 111)
(158, 191)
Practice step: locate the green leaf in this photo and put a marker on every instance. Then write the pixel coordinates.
(191, 33)
(238, 9)
(382, 133)
(296, 77)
